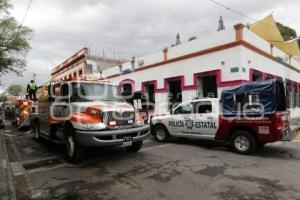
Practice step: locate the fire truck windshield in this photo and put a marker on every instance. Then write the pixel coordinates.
(95, 92)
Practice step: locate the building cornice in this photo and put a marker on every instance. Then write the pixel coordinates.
(212, 50)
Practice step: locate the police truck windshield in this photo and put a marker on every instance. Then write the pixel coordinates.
(95, 92)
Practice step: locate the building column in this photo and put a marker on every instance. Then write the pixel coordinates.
(239, 31)
(165, 51)
(271, 49)
(290, 59)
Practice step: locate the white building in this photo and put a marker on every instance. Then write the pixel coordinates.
(204, 66)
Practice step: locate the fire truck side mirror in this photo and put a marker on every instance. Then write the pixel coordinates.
(50, 90)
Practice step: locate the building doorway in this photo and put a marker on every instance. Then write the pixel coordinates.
(207, 86)
(149, 92)
(256, 76)
(175, 93)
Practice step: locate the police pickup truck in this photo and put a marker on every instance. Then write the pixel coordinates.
(247, 116)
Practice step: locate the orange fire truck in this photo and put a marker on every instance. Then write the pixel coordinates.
(23, 109)
(87, 113)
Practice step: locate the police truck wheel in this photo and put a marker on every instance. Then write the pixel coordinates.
(135, 147)
(75, 152)
(243, 142)
(161, 134)
(261, 144)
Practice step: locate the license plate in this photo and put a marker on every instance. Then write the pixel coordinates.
(127, 141)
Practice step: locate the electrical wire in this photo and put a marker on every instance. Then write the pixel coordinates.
(242, 14)
(26, 12)
(232, 10)
(38, 74)
(68, 34)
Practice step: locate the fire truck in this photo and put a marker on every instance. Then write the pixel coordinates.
(87, 113)
(23, 109)
(247, 116)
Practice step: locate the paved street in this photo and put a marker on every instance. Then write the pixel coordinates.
(181, 169)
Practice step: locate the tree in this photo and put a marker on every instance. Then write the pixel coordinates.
(287, 32)
(15, 90)
(3, 97)
(14, 41)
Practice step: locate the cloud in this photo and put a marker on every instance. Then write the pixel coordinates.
(128, 26)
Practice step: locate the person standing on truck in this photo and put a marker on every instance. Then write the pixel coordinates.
(31, 89)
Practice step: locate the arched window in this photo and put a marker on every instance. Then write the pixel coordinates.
(127, 87)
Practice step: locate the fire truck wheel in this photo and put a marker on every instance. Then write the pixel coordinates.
(135, 147)
(243, 142)
(36, 130)
(75, 152)
(161, 134)
(1, 124)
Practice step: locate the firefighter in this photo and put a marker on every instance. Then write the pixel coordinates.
(31, 89)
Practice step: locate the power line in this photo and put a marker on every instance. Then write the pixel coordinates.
(232, 10)
(242, 14)
(66, 34)
(21, 25)
(44, 55)
(88, 38)
(26, 11)
(37, 74)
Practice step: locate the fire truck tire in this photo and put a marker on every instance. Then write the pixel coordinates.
(75, 152)
(160, 133)
(243, 142)
(2, 126)
(36, 130)
(135, 147)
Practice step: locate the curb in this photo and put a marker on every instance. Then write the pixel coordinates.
(8, 187)
(296, 129)
(297, 139)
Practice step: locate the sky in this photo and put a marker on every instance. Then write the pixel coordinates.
(122, 28)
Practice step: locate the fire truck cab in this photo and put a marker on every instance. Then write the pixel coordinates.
(87, 113)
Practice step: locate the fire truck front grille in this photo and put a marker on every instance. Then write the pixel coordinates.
(121, 118)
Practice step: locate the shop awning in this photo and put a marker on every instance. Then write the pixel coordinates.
(268, 30)
(291, 48)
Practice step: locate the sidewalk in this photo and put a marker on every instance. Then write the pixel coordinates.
(6, 180)
(295, 126)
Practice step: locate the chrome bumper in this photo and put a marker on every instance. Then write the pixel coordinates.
(111, 137)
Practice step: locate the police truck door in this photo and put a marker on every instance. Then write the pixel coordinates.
(206, 118)
(179, 116)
